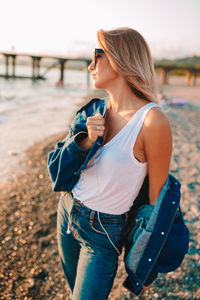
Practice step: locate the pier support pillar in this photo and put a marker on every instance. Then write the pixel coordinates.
(7, 58)
(35, 67)
(191, 77)
(7, 65)
(163, 76)
(13, 65)
(38, 60)
(62, 69)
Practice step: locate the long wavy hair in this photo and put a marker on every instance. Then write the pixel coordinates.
(130, 55)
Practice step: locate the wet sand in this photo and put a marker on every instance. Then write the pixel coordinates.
(28, 250)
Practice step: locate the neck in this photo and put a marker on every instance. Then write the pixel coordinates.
(122, 98)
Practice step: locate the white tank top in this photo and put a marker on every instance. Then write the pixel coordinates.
(113, 177)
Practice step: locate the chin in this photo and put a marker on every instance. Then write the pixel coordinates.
(98, 85)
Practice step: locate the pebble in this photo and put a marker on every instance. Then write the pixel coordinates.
(195, 257)
(197, 225)
(194, 210)
(22, 241)
(17, 213)
(31, 282)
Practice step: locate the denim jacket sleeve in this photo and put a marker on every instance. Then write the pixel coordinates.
(65, 160)
(156, 230)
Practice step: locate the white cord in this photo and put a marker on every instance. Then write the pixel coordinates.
(68, 229)
(107, 234)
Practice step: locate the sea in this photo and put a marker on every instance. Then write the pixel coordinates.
(30, 111)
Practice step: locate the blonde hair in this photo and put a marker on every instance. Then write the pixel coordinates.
(132, 59)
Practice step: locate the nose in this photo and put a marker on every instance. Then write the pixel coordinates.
(91, 67)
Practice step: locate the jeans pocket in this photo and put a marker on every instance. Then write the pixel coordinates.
(104, 228)
(110, 233)
(97, 230)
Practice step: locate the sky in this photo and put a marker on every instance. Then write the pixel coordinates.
(171, 27)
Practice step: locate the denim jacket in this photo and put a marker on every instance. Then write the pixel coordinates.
(157, 238)
(67, 161)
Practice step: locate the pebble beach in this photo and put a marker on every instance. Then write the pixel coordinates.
(30, 266)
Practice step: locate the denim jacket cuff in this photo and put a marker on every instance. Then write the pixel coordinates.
(73, 146)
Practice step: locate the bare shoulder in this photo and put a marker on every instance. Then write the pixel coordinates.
(156, 128)
(156, 119)
(157, 138)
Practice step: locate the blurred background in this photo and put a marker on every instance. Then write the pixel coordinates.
(38, 34)
(45, 48)
(69, 27)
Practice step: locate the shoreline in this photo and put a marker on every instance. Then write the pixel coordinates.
(35, 122)
(32, 269)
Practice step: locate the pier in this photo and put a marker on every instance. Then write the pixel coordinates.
(10, 58)
(190, 73)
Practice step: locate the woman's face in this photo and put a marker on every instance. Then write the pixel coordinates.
(103, 74)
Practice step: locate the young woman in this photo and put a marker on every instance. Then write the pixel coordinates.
(136, 140)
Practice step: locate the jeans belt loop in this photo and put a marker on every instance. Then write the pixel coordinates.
(92, 214)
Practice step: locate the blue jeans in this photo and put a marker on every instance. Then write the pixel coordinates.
(89, 244)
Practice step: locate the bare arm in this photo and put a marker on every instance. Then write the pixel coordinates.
(157, 138)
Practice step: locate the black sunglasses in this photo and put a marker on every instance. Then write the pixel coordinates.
(95, 55)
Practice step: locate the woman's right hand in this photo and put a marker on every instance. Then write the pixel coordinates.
(96, 127)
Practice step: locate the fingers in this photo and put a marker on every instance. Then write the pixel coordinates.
(96, 126)
(95, 131)
(97, 119)
(96, 122)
